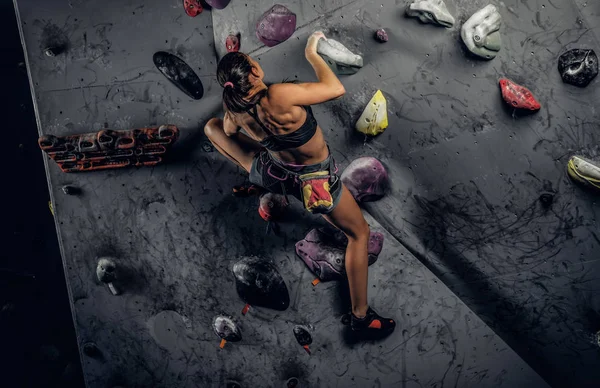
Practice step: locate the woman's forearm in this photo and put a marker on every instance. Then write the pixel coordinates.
(323, 72)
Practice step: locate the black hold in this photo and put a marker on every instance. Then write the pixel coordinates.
(259, 283)
(179, 73)
(233, 384)
(91, 350)
(54, 50)
(226, 328)
(208, 147)
(546, 199)
(302, 335)
(70, 190)
(578, 67)
(292, 382)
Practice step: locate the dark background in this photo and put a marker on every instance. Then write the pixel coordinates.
(38, 344)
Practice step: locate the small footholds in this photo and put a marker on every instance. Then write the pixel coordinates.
(70, 190)
(106, 271)
(91, 350)
(232, 43)
(381, 36)
(546, 199)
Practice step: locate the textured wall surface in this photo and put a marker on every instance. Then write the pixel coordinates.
(463, 217)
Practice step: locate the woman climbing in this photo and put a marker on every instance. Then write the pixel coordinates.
(285, 152)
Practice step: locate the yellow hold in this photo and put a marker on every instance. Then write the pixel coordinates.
(374, 120)
(51, 208)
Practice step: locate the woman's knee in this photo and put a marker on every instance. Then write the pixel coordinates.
(213, 127)
(361, 232)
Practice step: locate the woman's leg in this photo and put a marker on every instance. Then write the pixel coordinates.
(349, 219)
(240, 149)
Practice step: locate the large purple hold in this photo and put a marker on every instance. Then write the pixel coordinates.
(323, 251)
(276, 25)
(366, 178)
(218, 4)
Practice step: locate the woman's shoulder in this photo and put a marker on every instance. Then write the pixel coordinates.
(281, 94)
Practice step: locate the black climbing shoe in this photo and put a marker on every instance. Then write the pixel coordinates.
(372, 323)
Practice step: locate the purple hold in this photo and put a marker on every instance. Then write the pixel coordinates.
(323, 251)
(381, 35)
(366, 179)
(218, 4)
(276, 25)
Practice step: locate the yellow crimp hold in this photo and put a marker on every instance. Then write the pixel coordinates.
(374, 120)
(51, 208)
(584, 171)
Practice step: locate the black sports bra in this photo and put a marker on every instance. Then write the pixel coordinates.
(295, 139)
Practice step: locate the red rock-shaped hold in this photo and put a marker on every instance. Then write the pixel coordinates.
(517, 96)
(192, 7)
(232, 43)
(276, 25)
(272, 206)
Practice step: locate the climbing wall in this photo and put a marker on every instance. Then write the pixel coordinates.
(467, 171)
(462, 220)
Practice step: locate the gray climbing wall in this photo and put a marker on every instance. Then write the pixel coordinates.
(466, 173)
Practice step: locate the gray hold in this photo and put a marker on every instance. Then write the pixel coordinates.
(481, 33)
(431, 11)
(341, 60)
(226, 328)
(578, 67)
(106, 271)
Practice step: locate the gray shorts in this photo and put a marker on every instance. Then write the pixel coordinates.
(278, 177)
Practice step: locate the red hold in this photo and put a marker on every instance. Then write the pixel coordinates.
(192, 7)
(517, 96)
(232, 43)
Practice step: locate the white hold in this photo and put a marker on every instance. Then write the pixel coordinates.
(106, 271)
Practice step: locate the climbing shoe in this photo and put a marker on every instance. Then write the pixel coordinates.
(372, 323)
(584, 171)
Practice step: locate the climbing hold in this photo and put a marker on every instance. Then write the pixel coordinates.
(91, 350)
(303, 337)
(431, 11)
(259, 283)
(272, 206)
(546, 199)
(226, 328)
(366, 179)
(106, 271)
(323, 251)
(292, 382)
(374, 119)
(192, 7)
(481, 32)
(232, 43)
(232, 384)
(578, 67)
(70, 190)
(341, 60)
(276, 25)
(517, 96)
(381, 36)
(218, 4)
(179, 73)
(53, 51)
(584, 171)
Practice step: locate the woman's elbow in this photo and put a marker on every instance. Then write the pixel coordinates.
(340, 91)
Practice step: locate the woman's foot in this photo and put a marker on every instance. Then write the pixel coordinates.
(372, 322)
